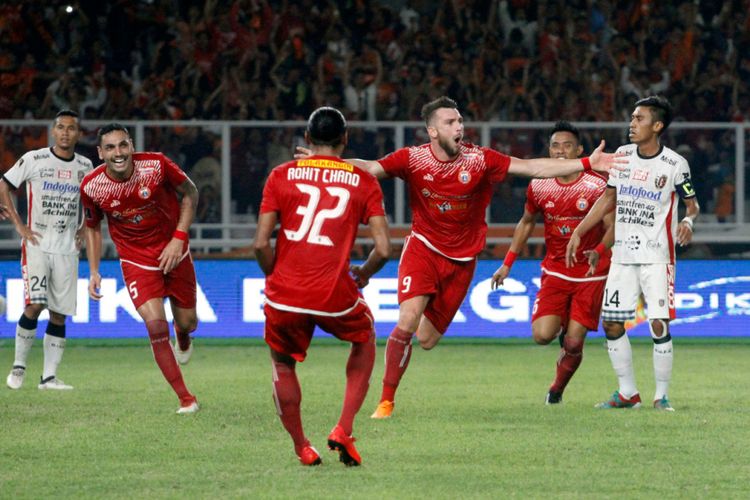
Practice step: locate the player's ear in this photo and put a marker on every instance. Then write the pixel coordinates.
(345, 139)
(307, 138)
(579, 150)
(658, 126)
(432, 132)
(99, 151)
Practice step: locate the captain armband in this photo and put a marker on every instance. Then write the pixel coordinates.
(685, 189)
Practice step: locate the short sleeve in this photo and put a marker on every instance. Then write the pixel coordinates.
(374, 203)
(174, 174)
(91, 213)
(19, 172)
(270, 202)
(683, 183)
(396, 164)
(531, 205)
(497, 165)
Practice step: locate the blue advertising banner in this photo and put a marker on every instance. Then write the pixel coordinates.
(712, 299)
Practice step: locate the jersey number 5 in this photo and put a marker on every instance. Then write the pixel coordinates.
(312, 219)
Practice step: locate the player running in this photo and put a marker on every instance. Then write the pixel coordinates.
(149, 203)
(450, 186)
(50, 242)
(643, 260)
(319, 203)
(569, 300)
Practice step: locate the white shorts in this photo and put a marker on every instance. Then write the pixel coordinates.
(49, 279)
(626, 282)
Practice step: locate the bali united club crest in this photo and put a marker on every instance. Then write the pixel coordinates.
(582, 204)
(144, 192)
(660, 181)
(464, 177)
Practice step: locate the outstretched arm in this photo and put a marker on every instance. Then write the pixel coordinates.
(523, 230)
(555, 167)
(264, 252)
(372, 166)
(602, 207)
(379, 255)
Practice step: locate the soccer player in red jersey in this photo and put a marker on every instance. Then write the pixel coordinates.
(319, 203)
(569, 301)
(450, 186)
(149, 203)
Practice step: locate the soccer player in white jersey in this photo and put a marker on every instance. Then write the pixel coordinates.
(644, 197)
(50, 241)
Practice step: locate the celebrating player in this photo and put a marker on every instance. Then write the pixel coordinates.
(643, 259)
(148, 222)
(450, 186)
(320, 202)
(50, 243)
(569, 301)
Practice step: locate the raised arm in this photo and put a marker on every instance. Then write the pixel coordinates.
(262, 248)
(602, 207)
(379, 254)
(555, 167)
(521, 235)
(173, 252)
(372, 166)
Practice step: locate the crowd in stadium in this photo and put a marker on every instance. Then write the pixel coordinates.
(518, 60)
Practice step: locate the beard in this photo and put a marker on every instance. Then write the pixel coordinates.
(449, 146)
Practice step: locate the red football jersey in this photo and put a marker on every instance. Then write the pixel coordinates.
(142, 212)
(320, 201)
(563, 207)
(449, 199)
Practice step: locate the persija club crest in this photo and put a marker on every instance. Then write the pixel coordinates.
(582, 204)
(464, 177)
(660, 181)
(144, 192)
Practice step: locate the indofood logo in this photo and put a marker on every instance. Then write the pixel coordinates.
(639, 192)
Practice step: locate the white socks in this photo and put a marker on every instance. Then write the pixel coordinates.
(24, 341)
(53, 352)
(621, 356)
(663, 358)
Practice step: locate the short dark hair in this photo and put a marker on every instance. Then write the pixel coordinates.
(661, 110)
(66, 112)
(441, 102)
(110, 127)
(566, 126)
(326, 127)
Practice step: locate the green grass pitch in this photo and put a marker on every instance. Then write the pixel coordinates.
(469, 423)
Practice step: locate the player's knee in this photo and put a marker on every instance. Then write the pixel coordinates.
(540, 335)
(57, 318)
(659, 329)
(32, 311)
(408, 320)
(428, 343)
(187, 325)
(613, 330)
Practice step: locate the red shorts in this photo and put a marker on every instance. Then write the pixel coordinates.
(146, 284)
(580, 301)
(290, 333)
(446, 281)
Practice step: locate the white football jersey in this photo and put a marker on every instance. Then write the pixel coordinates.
(646, 211)
(52, 191)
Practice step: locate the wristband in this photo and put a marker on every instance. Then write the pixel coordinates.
(586, 164)
(180, 235)
(601, 249)
(510, 258)
(689, 222)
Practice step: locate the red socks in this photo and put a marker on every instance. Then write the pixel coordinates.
(158, 332)
(358, 371)
(570, 358)
(183, 338)
(397, 356)
(288, 396)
